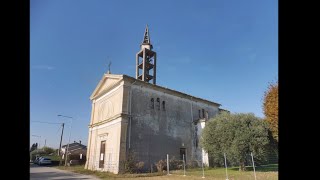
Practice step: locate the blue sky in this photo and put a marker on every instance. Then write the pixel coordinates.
(224, 51)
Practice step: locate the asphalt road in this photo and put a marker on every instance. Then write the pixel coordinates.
(44, 173)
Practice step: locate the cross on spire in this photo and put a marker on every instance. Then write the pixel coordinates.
(109, 65)
(146, 60)
(146, 37)
(146, 43)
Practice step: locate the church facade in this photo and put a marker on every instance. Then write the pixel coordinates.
(134, 115)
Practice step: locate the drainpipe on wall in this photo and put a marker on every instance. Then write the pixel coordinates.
(130, 114)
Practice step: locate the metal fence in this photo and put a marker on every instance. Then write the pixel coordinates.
(251, 164)
(109, 162)
(170, 164)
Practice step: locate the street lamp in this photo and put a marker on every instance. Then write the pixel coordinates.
(67, 150)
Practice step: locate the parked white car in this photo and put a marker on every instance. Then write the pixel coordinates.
(44, 161)
(36, 161)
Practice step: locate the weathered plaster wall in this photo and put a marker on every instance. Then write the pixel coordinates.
(156, 132)
(110, 132)
(107, 124)
(125, 118)
(108, 105)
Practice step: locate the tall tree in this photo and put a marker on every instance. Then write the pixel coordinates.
(33, 146)
(48, 150)
(237, 135)
(270, 108)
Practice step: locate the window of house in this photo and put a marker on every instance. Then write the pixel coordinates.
(199, 114)
(207, 115)
(152, 103)
(163, 105)
(158, 103)
(203, 113)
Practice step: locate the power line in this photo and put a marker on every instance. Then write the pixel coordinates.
(45, 122)
(58, 129)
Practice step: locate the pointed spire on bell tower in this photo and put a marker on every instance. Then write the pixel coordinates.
(146, 43)
(146, 38)
(146, 60)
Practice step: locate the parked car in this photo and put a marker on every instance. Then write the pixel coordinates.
(36, 160)
(44, 161)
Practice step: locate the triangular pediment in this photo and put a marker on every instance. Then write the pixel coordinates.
(108, 82)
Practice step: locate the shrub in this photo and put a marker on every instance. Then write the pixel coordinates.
(192, 164)
(139, 166)
(131, 165)
(161, 165)
(175, 164)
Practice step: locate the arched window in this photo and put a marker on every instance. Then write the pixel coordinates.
(207, 115)
(152, 103)
(163, 105)
(203, 113)
(199, 114)
(158, 103)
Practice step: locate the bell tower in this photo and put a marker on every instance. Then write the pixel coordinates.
(146, 60)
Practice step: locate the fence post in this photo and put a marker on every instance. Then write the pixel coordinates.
(168, 164)
(254, 169)
(202, 168)
(225, 163)
(184, 166)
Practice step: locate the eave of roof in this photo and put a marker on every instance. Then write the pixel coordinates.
(170, 90)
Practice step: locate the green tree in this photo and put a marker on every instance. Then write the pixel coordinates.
(48, 150)
(270, 108)
(237, 135)
(34, 146)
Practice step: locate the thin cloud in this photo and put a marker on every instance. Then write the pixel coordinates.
(43, 67)
(253, 57)
(250, 53)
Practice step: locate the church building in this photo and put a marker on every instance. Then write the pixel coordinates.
(138, 116)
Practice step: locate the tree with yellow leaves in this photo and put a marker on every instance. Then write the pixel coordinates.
(270, 108)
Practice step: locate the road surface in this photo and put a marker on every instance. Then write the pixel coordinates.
(50, 173)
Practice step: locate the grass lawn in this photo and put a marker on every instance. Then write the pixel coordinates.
(267, 172)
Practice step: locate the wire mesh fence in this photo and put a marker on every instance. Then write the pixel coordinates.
(177, 166)
(192, 167)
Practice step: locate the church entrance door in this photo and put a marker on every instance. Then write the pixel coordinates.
(102, 154)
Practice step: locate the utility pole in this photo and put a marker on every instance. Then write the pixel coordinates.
(45, 142)
(61, 139)
(67, 150)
